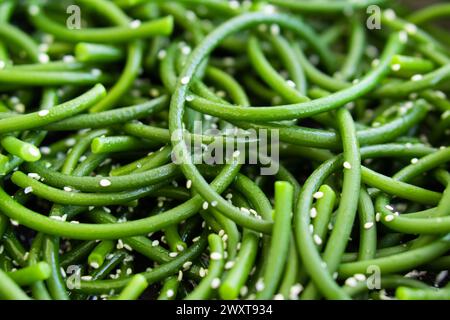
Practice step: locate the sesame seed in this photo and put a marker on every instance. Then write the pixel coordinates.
(260, 285)
(215, 256)
(396, 67)
(411, 28)
(389, 217)
(377, 216)
(189, 98)
(180, 247)
(229, 265)
(180, 275)
(234, 4)
(275, 29)
(403, 36)
(295, 290)
(68, 189)
(162, 54)
(33, 10)
(368, 225)
(214, 203)
(185, 80)
(414, 160)
(196, 239)
(351, 282)
(278, 296)
(416, 77)
(170, 293)
(317, 239)
(290, 83)
(347, 165)
(311, 228)
(43, 58)
(15, 223)
(186, 50)
(173, 254)
(202, 272)
(43, 113)
(187, 265)
(359, 277)
(221, 232)
(215, 283)
(105, 183)
(236, 154)
(390, 14)
(135, 24)
(389, 207)
(95, 265)
(28, 190)
(205, 205)
(318, 195)
(119, 244)
(86, 278)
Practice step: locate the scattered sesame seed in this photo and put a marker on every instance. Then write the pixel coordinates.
(189, 98)
(214, 203)
(205, 205)
(389, 217)
(403, 36)
(414, 160)
(278, 296)
(260, 285)
(229, 265)
(135, 24)
(187, 265)
(185, 80)
(28, 190)
(86, 278)
(105, 183)
(411, 28)
(389, 207)
(416, 77)
(359, 277)
(162, 54)
(215, 256)
(318, 195)
(377, 217)
(180, 247)
(202, 272)
(173, 254)
(351, 282)
(317, 239)
(396, 67)
(347, 165)
(215, 283)
(368, 225)
(170, 293)
(95, 265)
(43, 58)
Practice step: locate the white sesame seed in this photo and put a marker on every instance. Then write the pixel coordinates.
(389, 217)
(396, 67)
(416, 77)
(202, 272)
(403, 36)
(187, 265)
(290, 83)
(411, 28)
(127, 247)
(351, 282)
(318, 195)
(368, 225)
(173, 254)
(205, 205)
(170, 293)
(43, 113)
(311, 228)
(260, 285)
(185, 80)
(34, 151)
(278, 296)
(196, 239)
(162, 54)
(186, 50)
(214, 203)
(34, 175)
(389, 207)
(28, 190)
(414, 160)
(275, 29)
(15, 223)
(229, 265)
(135, 24)
(215, 256)
(95, 265)
(221, 232)
(180, 275)
(180, 247)
(68, 189)
(295, 290)
(390, 14)
(33, 10)
(129, 271)
(377, 216)
(105, 183)
(86, 278)
(119, 244)
(215, 283)
(313, 212)
(189, 98)
(317, 239)
(359, 277)
(43, 57)
(236, 154)
(347, 165)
